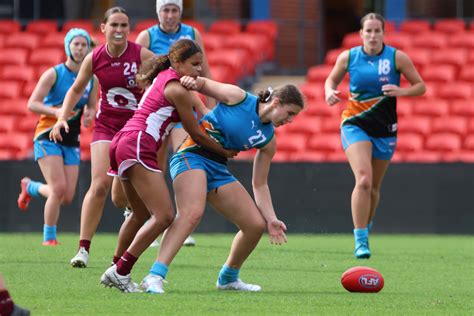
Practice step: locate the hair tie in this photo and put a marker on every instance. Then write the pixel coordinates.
(270, 90)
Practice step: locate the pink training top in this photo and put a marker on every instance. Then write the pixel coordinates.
(119, 91)
(155, 115)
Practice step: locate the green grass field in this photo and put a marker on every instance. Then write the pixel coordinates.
(424, 275)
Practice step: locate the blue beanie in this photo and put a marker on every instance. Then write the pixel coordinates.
(75, 32)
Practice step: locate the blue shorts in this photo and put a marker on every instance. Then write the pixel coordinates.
(43, 148)
(217, 174)
(383, 148)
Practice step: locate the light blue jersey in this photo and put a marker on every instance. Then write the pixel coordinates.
(369, 73)
(160, 41)
(64, 80)
(368, 108)
(235, 126)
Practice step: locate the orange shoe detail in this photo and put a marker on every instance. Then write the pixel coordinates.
(24, 198)
(52, 242)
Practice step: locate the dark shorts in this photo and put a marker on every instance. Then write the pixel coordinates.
(132, 147)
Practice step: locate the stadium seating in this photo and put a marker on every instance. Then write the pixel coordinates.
(195, 24)
(318, 73)
(83, 24)
(439, 73)
(309, 156)
(8, 27)
(409, 142)
(450, 26)
(450, 56)
(443, 142)
(456, 125)
(404, 107)
(42, 27)
(10, 90)
(329, 142)
(227, 27)
(463, 108)
(462, 40)
(467, 73)
(415, 26)
(29, 41)
(351, 40)
(18, 73)
(430, 40)
(46, 57)
(53, 40)
(13, 56)
(304, 125)
(398, 40)
(144, 24)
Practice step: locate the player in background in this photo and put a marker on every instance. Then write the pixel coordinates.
(59, 162)
(158, 39)
(240, 121)
(133, 155)
(115, 64)
(369, 123)
(7, 306)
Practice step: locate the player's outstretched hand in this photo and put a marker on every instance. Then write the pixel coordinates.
(276, 230)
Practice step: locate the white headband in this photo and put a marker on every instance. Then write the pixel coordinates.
(160, 3)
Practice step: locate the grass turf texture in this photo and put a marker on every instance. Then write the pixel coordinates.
(424, 274)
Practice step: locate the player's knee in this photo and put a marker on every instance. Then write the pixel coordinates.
(58, 191)
(162, 221)
(67, 199)
(141, 218)
(119, 200)
(260, 226)
(99, 188)
(364, 183)
(193, 218)
(256, 226)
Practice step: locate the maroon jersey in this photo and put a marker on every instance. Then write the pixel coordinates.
(141, 137)
(155, 115)
(119, 91)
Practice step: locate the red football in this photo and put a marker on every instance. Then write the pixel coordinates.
(362, 279)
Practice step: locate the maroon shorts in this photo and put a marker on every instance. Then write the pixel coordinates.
(132, 147)
(105, 129)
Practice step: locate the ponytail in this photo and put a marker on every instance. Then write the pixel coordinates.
(151, 68)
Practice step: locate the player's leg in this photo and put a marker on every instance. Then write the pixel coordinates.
(359, 155)
(236, 204)
(94, 200)
(133, 222)
(379, 168)
(52, 168)
(29, 188)
(190, 195)
(177, 136)
(382, 153)
(118, 275)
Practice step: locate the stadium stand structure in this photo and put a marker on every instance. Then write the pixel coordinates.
(436, 127)
(236, 54)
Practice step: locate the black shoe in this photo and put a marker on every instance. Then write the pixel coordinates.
(19, 311)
